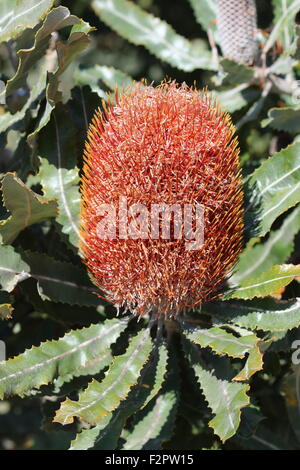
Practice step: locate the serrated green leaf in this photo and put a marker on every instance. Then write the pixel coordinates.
(251, 417)
(236, 72)
(255, 109)
(276, 250)
(63, 184)
(25, 206)
(17, 15)
(236, 98)
(141, 28)
(253, 364)
(60, 82)
(220, 341)
(285, 33)
(58, 172)
(5, 311)
(6, 308)
(284, 119)
(99, 399)
(51, 275)
(37, 84)
(284, 22)
(296, 45)
(281, 65)
(63, 358)
(60, 281)
(224, 398)
(46, 61)
(88, 437)
(290, 391)
(156, 421)
(266, 283)
(62, 313)
(12, 268)
(260, 314)
(57, 19)
(275, 186)
(105, 436)
(110, 76)
(151, 425)
(206, 13)
(160, 372)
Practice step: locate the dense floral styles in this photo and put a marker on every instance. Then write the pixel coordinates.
(172, 145)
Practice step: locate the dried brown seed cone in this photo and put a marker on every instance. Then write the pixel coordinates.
(237, 25)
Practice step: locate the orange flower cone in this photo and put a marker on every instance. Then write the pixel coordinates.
(166, 145)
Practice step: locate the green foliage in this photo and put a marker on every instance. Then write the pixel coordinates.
(137, 26)
(63, 184)
(222, 342)
(101, 398)
(151, 427)
(5, 306)
(88, 437)
(12, 268)
(62, 359)
(110, 76)
(60, 281)
(236, 73)
(283, 119)
(227, 411)
(268, 282)
(262, 314)
(275, 185)
(285, 12)
(275, 250)
(205, 13)
(26, 207)
(157, 383)
(16, 16)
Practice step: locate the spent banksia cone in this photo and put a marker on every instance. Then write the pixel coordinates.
(168, 145)
(237, 27)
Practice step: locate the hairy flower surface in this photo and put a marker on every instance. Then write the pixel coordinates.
(164, 145)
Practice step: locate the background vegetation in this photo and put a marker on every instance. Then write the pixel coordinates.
(54, 69)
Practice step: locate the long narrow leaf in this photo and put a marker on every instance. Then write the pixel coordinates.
(17, 15)
(260, 314)
(60, 358)
(224, 398)
(276, 250)
(26, 207)
(12, 268)
(144, 29)
(275, 186)
(99, 399)
(267, 283)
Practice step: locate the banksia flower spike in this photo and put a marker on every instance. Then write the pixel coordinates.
(169, 147)
(237, 27)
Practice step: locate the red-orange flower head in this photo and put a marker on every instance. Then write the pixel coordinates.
(169, 145)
